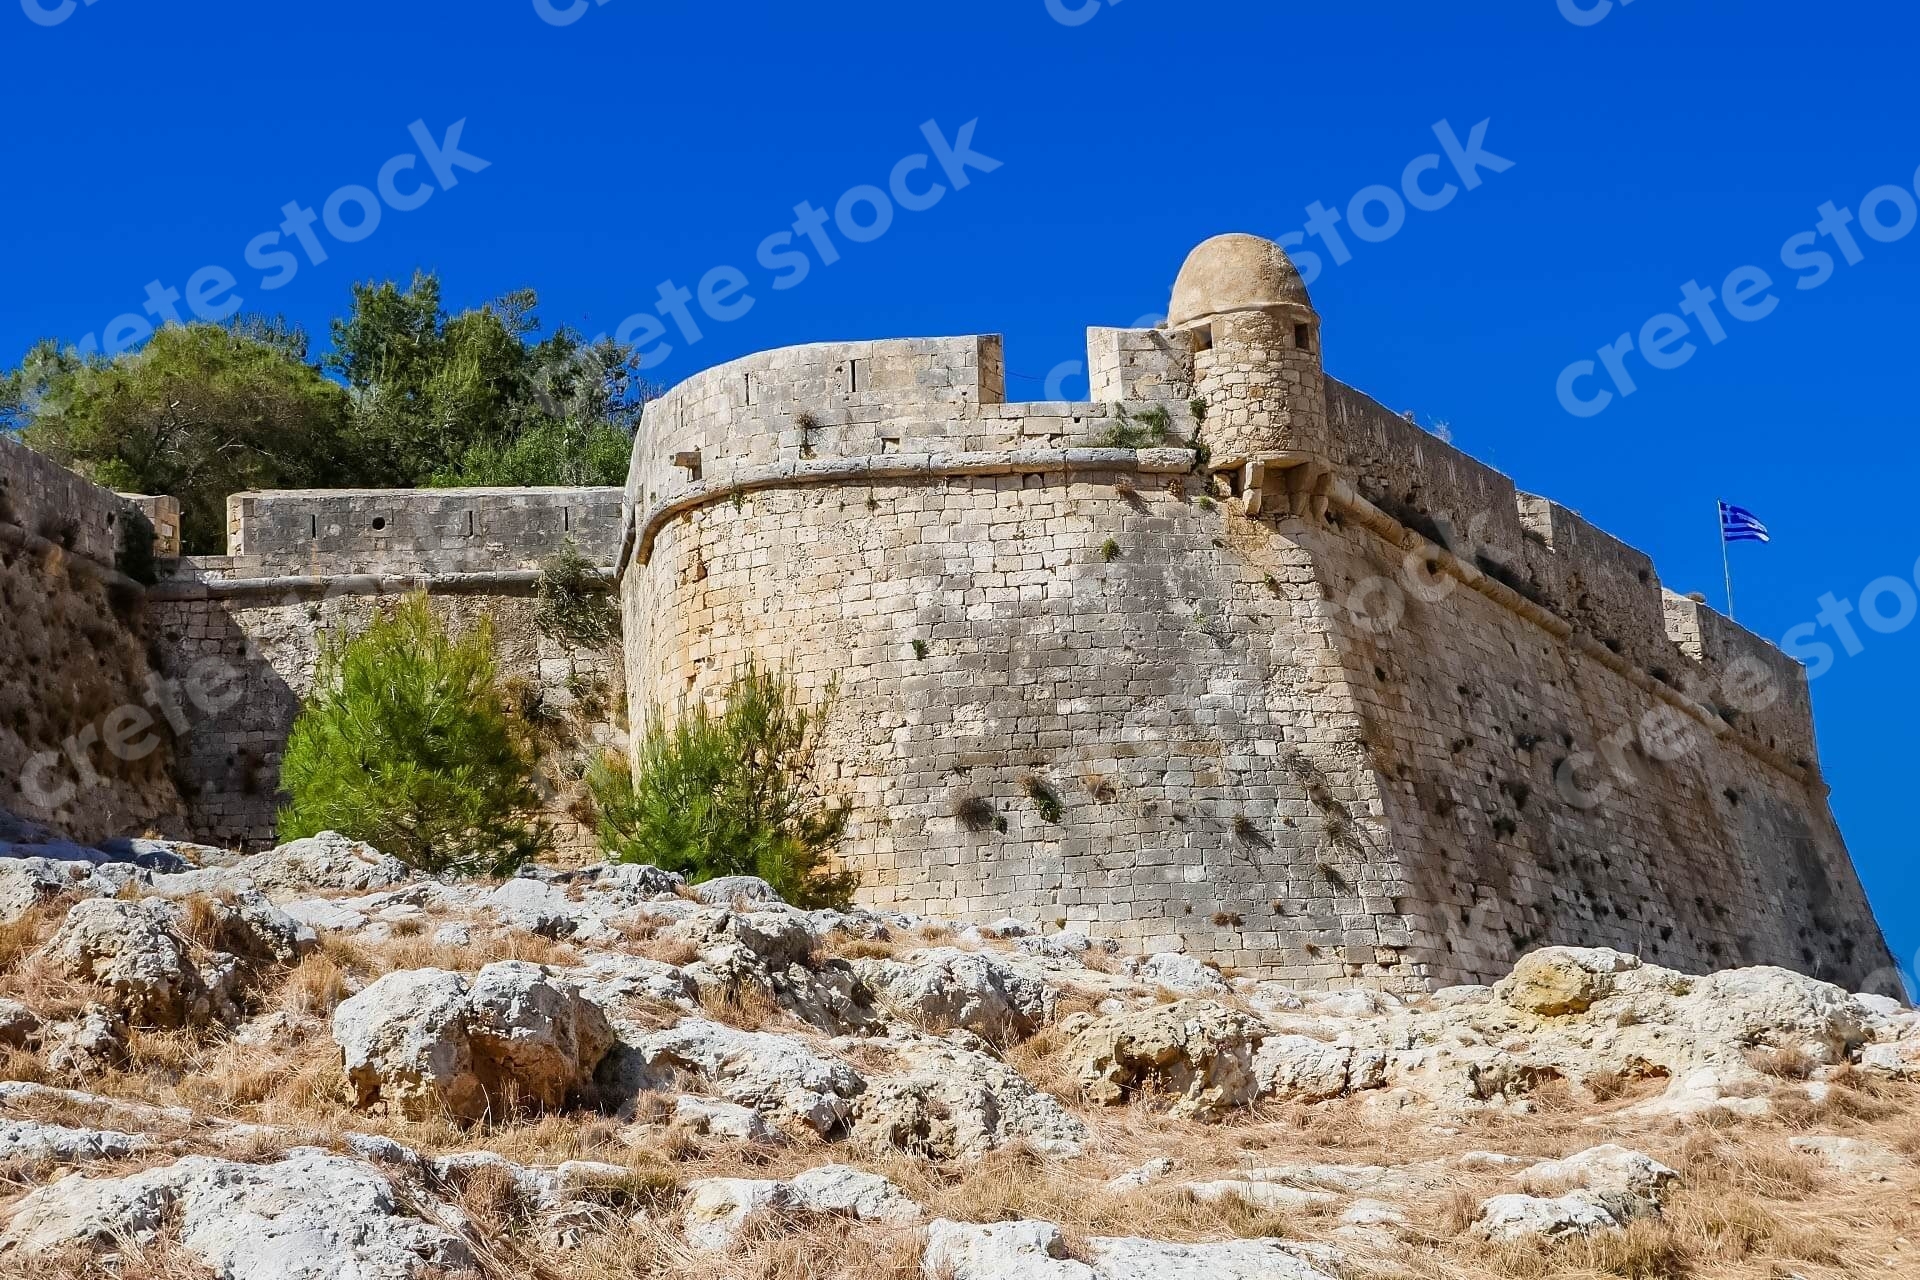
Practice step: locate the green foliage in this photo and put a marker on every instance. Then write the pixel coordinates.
(470, 399)
(407, 743)
(200, 412)
(204, 411)
(1044, 798)
(1146, 430)
(1110, 550)
(733, 793)
(572, 604)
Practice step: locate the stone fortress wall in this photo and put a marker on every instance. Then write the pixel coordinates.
(216, 656)
(74, 650)
(1315, 694)
(305, 564)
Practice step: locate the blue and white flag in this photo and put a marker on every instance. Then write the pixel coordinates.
(1737, 524)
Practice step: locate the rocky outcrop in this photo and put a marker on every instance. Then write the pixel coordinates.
(949, 1101)
(423, 1041)
(1197, 1052)
(309, 1216)
(136, 954)
(944, 988)
(776, 1075)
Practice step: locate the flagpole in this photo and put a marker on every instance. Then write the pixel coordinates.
(1726, 559)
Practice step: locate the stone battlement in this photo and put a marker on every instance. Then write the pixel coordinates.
(855, 413)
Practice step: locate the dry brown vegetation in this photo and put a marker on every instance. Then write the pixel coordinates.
(1748, 1207)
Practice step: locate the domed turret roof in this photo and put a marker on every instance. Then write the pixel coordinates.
(1235, 273)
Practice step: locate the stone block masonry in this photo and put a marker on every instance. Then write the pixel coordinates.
(1329, 701)
(89, 658)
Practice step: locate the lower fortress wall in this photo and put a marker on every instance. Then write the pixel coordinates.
(127, 709)
(1246, 767)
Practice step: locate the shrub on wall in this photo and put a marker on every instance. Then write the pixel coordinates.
(733, 793)
(572, 604)
(408, 743)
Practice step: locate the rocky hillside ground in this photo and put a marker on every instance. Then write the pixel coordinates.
(311, 1064)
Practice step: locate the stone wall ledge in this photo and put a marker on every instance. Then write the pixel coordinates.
(498, 582)
(637, 535)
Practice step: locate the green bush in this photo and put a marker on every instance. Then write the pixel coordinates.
(571, 603)
(729, 794)
(407, 742)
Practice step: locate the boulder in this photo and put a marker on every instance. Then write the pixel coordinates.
(721, 1119)
(1197, 1051)
(18, 1025)
(1024, 1250)
(948, 1101)
(945, 987)
(309, 1216)
(1181, 974)
(134, 951)
(852, 1193)
(1630, 1185)
(774, 1074)
(1558, 981)
(715, 1209)
(251, 927)
(1517, 1217)
(405, 1047)
(329, 862)
(533, 1031)
(421, 1041)
(724, 891)
(1304, 1069)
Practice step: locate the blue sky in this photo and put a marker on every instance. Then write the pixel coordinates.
(1668, 141)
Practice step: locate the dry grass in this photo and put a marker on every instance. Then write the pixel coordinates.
(160, 1260)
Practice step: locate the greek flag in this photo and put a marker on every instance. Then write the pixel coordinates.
(1737, 524)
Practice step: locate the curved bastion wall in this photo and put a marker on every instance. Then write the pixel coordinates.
(1324, 698)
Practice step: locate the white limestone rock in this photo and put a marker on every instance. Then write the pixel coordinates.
(715, 1209)
(420, 1040)
(1855, 1157)
(1630, 1184)
(1196, 1050)
(19, 1025)
(721, 1119)
(947, 1101)
(534, 1031)
(25, 1140)
(947, 987)
(133, 950)
(725, 891)
(1269, 1196)
(309, 1216)
(774, 1074)
(1181, 974)
(1520, 1217)
(1127, 1258)
(853, 1193)
(404, 1045)
(326, 916)
(1024, 1250)
(1154, 1170)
